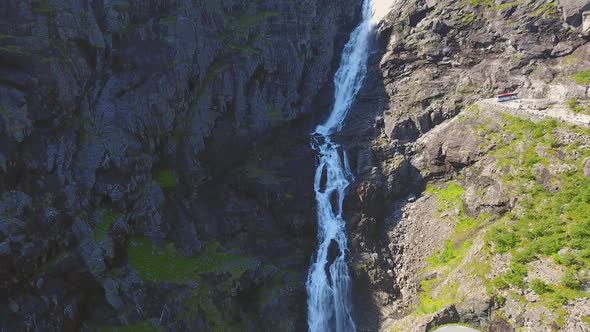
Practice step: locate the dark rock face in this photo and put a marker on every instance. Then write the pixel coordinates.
(149, 120)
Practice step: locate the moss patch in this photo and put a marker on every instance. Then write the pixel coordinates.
(448, 196)
(431, 302)
(102, 227)
(582, 77)
(167, 179)
(161, 263)
(138, 327)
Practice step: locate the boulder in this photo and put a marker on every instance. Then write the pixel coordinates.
(586, 23)
(573, 10)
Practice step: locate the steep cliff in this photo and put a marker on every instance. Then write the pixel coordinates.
(156, 174)
(121, 121)
(479, 218)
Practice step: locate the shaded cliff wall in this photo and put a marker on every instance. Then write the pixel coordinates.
(107, 108)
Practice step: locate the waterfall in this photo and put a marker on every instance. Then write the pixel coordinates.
(328, 283)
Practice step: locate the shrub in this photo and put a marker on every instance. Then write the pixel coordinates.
(539, 287)
(516, 275)
(503, 239)
(570, 280)
(575, 106)
(166, 179)
(583, 77)
(445, 255)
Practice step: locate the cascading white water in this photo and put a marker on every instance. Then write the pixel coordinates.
(328, 283)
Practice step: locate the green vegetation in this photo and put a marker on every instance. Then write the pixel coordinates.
(213, 273)
(506, 5)
(482, 3)
(145, 326)
(430, 302)
(434, 295)
(489, 4)
(546, 221)
(582, 78)
(568, 60)
(546, 10)
(170, 19)
(576, 107)
(469, 18)
(102, 227)
(445, 255)
(503, 239)
(42, 7)
(539, 287)
(449, 196)
(161, 264)
(167, 179)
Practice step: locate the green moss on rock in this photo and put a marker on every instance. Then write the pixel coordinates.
(582, 77)
(145, 326)
(102, 227)
(167, 179)
(161, 263)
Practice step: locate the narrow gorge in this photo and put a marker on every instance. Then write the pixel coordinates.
(312, 165)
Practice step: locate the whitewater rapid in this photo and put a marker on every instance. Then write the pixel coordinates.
(328, 284)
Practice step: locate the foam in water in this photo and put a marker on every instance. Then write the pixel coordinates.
(328, 282)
